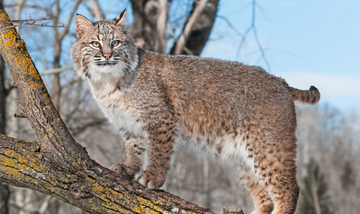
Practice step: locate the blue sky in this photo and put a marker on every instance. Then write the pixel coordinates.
(306, 42)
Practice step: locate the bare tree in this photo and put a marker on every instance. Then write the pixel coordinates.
(59, 36)
(150, 20)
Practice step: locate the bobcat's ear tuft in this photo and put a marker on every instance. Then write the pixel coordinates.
(82, 24)
(120, 19)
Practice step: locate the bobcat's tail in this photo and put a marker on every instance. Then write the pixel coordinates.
(305, 97)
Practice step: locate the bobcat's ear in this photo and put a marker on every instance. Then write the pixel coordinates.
(120, 19)
(82, 24)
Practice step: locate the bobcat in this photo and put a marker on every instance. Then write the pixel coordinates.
(238, 112)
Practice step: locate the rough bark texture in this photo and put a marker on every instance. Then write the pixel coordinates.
(57, 165)
(3, 95)
(195, 13)
(143, 28)
(4, 189)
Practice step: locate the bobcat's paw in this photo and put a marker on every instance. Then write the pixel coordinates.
(123, 170)
(150, 180)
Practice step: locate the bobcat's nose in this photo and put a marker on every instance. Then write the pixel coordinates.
(107, 56)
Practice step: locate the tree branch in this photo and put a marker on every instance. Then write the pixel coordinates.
(30, 22)
(253, 28)
(201, 29)
(97, 10)
(95, 189)
(186, 32)
(67, 26)
(160, 40)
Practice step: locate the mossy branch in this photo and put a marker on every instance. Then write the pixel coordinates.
(56, 164)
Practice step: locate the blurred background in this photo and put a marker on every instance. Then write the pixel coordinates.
(305, 42)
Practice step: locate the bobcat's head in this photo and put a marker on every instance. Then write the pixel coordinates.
(103, 49)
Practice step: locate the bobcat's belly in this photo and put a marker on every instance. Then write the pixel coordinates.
(230, 149)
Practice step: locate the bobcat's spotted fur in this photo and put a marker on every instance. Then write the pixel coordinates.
(239, 113)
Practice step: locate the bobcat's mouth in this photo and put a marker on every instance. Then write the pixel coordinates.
(103, 64)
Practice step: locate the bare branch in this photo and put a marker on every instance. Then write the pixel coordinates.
(67, 26)
(28, 22)
(20, 115)
(253, 28)
(172, 34)
(57, 70)
(238, 33)
(186, 32)
(97, 10)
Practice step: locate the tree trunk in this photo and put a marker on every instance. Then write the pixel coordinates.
(160, 42)
(4, 189)
(56, 164)
(201, 29)
(143, 28)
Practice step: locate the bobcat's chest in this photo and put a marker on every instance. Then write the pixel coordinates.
(120, 114)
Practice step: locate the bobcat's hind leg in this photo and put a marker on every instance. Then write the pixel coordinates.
(277, 170)
(284, 189)
(134, 156)
(262, 201)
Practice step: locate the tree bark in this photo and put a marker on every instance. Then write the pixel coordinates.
(189, 25)
(4, 189)
(200, 30)
(56, 164)
(143, 28)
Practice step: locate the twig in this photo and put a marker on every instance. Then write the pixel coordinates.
(253, 28)
(57, 70)
(20, 115)
(238, 33)
(28, 22)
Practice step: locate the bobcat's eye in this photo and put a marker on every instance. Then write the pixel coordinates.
(115, 43)
(95, 44)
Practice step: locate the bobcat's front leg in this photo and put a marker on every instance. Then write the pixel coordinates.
(134, 156)
(161, 139)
